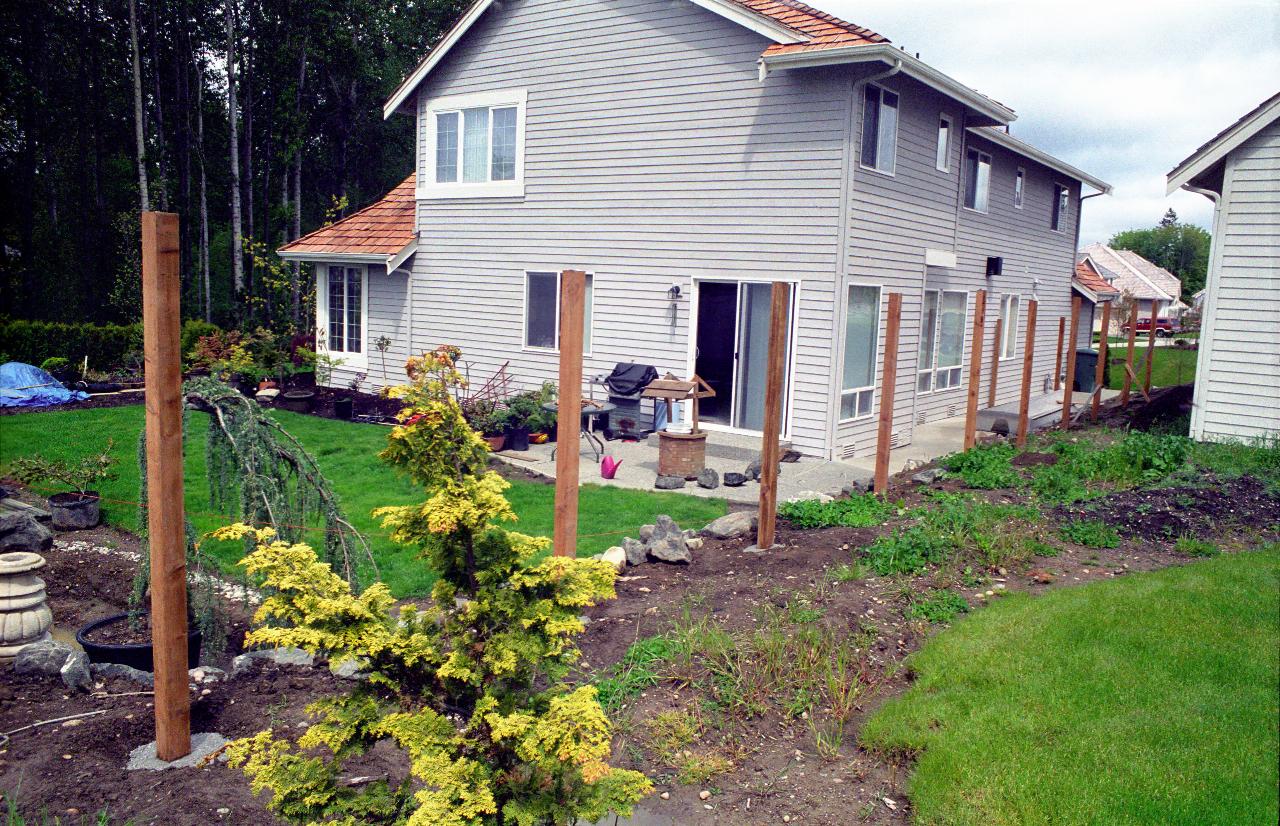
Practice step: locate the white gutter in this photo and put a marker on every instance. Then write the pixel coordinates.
(391, 262)
(1011, 143)
(888, 53)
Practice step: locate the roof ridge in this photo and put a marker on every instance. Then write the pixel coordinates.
(1131, 268)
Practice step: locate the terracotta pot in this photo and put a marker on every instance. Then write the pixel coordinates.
(496, 443)
(266, 384)
(75, 511)
(24, 615)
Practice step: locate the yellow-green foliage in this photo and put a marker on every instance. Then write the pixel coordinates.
(468, 687)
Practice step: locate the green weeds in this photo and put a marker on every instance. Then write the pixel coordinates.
(1091, 533)
(985, 466)
(938, 606)
(857, 511)
(635, 672)
(1195, 547)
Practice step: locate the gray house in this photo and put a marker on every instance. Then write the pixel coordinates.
(1237, 392)
(685, 153)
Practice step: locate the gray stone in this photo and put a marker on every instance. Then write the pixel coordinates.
(21, 532)
(753, 470)
(124, 672)
(279, 656)
(349, 670)
(616, 557)
(206, 674)
(43, 659)
(669, 482)
(708, 478)
(807, 495)
(734, 480)
(635, 551)
(75, 672)
(646, 533)
(732, 525)
(928, 477)
(668, 543)
(858, 486)
(202, 745)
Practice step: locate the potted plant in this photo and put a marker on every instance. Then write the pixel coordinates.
(126, 639)
(524, 412)
(345, 408)
(79, 508)
(308, 363)
(492, 424)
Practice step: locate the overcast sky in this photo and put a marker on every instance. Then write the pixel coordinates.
(1123, 89)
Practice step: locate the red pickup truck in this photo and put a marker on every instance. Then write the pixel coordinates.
(1164, 327)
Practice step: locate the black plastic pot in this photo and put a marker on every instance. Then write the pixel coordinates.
(75, 511)
(135, 655)
(518, 438)
(344, 409)
(299, 401)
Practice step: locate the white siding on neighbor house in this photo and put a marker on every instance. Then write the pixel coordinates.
(654, 156)
(1238, 371)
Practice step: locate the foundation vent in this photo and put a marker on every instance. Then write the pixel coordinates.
(923, 418)
(952, 411)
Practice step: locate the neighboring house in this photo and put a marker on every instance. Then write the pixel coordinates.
(1137, 279)
(1237, 392)
(686, 153)
(1093, 290)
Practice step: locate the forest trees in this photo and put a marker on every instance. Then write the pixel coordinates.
(76, 119)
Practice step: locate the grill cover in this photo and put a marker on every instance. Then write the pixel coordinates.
(629, 379)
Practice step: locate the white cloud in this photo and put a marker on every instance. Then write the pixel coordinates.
(1124, 89)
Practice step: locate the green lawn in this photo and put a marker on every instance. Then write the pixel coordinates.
(1150, 699)
(1173, 365)
(348, 455)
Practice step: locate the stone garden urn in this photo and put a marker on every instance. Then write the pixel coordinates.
(24, 616)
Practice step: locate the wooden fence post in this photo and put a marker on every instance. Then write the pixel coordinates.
(975, 369)
(573, 288)
(888, 384)
(1057, 367)
(162, 354)
(1128, 366)
(1151, 347)
(1101, 374)
(779, 310)
(1071, 362)
(1028, 358)
(995, 361)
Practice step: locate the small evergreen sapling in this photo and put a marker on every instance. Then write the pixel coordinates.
(468, 687)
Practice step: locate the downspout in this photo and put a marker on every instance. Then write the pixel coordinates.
(1205, 350)
(1075, 250)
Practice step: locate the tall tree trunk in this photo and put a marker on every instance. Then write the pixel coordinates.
(162, 179)
(138, 129)
(204, 194)
(295, 286)
(237, 241)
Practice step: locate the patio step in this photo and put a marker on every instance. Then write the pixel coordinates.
(1042, 411)
(736, 447)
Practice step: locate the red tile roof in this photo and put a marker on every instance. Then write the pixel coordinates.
(826, 31)
(1094, 283)
(385, 227)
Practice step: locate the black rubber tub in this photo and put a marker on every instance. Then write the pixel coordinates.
(135, 655)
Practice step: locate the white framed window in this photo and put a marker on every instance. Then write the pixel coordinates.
(542, 311)
(475, 145)
(1019, 187)
(861, 343)
(943, 159)
(341, 308)
(941, 340)
(1061, 201)
(977, 179)
(880, 129)
(1009, 326)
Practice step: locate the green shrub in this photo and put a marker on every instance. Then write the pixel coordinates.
(857, 511)
(908, 551)
(985, 466)
(54, 364)
(938, 606)
(193, 330)
(106, 345)
(1191, 546)
(1134, 458)
(1091, 533)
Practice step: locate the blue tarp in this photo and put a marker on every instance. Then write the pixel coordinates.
(22, 385)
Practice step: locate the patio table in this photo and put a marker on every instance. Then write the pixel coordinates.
(590, 411)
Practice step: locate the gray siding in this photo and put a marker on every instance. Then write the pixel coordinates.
(1238, 384)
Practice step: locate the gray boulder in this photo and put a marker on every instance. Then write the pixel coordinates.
(635, 551)
(928, 477)
(669, 482)
(753, 470)
(124, 672)
(708, 478)
(279, 656)
(734, 480)
(43, 659)
(21, 532)
(646, 533)
(75, 672)
(668, 543)
(732, 525)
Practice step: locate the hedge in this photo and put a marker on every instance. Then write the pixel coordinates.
(106, 345)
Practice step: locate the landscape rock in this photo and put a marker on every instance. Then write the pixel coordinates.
(21, 532)
(668, 543)
(75, 672)
(694, 542)
(669, 482)
(808, 495)
(205, 674)
(734, 480)
(634, 550)
(708, 479)
(349, 670)
(279, 656)
(646, 533)
(928, 477)
(124, 672)
(43, 659)
(753, 470)
(858, 486)
(732, 525)
(616, 557)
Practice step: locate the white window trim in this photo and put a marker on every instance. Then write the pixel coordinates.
(428, 188)
(1012, 349)
(1064, 211)
(965, 183)
(937, 344)
(945, 166)
(893, 170)
(875, 364)
(1019, 197)
(355, 361)
(588, 321)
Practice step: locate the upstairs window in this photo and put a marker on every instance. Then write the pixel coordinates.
(475, 145)
(941, 340)
(542, 311)
(1019, 187)
(1061, 199)
(977, 179)
(880, 130)
(1008, 326)
(943, 160)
